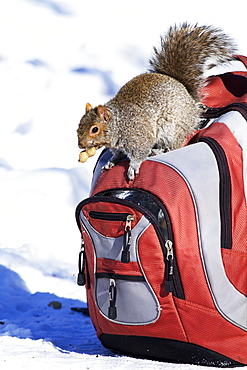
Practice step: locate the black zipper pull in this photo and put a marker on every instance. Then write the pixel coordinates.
(81, 279)
(169, 266)
(112, 310)
(125, 257)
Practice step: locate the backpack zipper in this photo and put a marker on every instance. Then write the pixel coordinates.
(169, 265)
(83, 275)
(125, 257)
(112, 309)
(225, 191)
(81, 278)
(128, 218)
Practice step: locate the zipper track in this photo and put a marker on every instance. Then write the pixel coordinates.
(109, 275)
(108, 216)
(225, 191)
(178, 289)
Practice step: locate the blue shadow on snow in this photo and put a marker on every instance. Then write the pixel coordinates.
(111, 87)
(54, 6)
(25, 315)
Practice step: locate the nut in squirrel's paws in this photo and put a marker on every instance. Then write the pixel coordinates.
(85, 154)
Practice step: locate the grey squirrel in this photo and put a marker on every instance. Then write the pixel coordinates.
(155, 111)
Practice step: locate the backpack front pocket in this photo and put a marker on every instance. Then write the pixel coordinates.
(121, 289)
(126, 299)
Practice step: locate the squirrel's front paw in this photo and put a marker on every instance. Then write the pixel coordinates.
(108, 166)
(157, 152)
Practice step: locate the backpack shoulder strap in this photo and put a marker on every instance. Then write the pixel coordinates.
(218, 112)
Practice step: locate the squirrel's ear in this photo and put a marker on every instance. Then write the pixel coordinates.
(103, 113)
(88, 107)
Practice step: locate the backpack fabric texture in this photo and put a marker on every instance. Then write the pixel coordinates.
(164, 257)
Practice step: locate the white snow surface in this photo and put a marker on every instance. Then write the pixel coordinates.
(55, 56)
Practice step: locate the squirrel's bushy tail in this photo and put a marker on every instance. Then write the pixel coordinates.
(188, 50)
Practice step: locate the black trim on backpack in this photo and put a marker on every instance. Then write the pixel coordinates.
(225, 191)
(235, 84)
(163, 349)
(217, 112)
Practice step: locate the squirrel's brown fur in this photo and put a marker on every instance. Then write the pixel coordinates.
(157, 110)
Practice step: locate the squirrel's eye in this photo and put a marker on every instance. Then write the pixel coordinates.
(94, 130)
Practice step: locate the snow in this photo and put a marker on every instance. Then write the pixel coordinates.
(54, 57)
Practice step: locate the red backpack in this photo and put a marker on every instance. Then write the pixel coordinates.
(164, 257)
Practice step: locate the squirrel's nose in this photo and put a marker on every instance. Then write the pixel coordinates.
(85, 145)
(89, 143)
